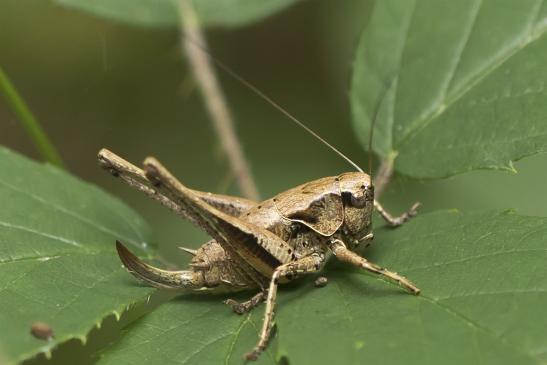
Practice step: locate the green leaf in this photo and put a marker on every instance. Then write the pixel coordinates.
(461, 84)
(58, 263)
(164, 13)
(189, 330)
(484, 293)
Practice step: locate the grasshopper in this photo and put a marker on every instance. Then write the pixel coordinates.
(258, 245)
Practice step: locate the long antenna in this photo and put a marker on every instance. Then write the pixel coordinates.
(266, 98)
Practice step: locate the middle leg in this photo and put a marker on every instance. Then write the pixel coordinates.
(246, 306)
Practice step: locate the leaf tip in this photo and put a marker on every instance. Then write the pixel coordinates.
(118, 315)
(511, 167)
(47, 353)
(83, 339)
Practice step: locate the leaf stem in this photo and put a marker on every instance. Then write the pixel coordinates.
(29, 122)
(192, 36)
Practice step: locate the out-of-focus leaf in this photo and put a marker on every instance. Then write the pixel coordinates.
(58, 264)
(461, 84)
(164, 13)
(484, 293)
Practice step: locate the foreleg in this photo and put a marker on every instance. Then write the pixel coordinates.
(343, 254)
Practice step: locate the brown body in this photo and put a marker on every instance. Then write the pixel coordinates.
(291, 216)
(258, 245)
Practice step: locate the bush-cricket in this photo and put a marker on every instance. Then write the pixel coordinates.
(258, 245)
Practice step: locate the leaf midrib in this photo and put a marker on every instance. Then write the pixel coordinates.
(43, 234)
(73, 214)
(529, 38)
(471, 258)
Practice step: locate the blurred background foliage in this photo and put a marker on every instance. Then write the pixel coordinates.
(95, 83)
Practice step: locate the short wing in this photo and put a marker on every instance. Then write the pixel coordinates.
(317, 204)
(260, 248)
(230, 205)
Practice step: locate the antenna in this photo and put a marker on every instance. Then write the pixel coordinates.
(266, 98)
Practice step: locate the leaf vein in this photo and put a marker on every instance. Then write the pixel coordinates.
(471, 258)
(475, 325)
(465, 41)
(43, 234)
(74, 214)
(236, 337)
(516, 291)
(85, 289)
(480, 76)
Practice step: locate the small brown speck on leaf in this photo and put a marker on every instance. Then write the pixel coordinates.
(42, 331)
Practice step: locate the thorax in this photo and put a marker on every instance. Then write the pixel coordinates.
(302, 239)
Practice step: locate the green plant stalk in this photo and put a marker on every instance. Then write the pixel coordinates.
(31, 124)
